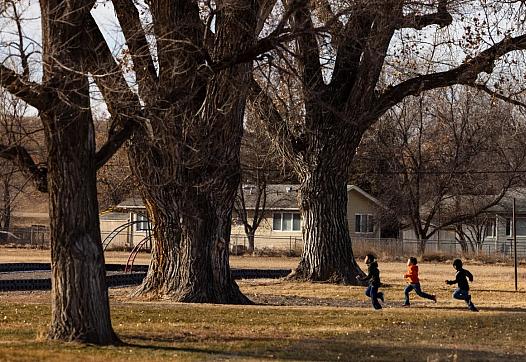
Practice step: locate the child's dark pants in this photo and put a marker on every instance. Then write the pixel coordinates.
(372, 292)
(418, 290)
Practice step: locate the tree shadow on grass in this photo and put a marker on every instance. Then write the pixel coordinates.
(355, 347)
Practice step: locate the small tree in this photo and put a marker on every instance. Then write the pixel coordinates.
(260, 165)
(471, 234)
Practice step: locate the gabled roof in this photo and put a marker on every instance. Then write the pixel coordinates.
(279, 197)
(505, 205)
(131, 203)
(365, 194)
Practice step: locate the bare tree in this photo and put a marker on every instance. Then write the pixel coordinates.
(260, 166)
(446, 157)
(354, 61)
(252, 221)
(80, 305)
(186, 159)
(115, 181)
(13, 131)
(471, 234)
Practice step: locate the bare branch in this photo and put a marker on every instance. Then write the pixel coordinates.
(352, 43)
(498, 95)
(465, 73)
(21, 157)
(273, 122)
(123, 104)
(441, 18)
(114, 142)
(30, 92)
(265, 8)
(130, 21)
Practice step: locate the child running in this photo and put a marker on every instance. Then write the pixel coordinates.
(414, 282)
(461, 278)
(373, 277)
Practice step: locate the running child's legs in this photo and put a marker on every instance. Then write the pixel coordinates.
(461, 294)
(372, 292)
(464, 295)
(408, 290)
(422, 294)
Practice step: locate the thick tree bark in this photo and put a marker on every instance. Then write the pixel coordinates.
(190, 174)
(190, 256)
(327, 253)
(165, 245)
(80, 305)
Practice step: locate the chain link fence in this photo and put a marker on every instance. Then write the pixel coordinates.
(36, 236)
(390, 248)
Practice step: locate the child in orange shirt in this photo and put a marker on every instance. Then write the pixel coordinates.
(414, 282)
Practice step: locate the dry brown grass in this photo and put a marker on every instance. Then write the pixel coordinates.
(17, 255)
(295, 321)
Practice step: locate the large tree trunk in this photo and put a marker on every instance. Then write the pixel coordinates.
(190, 257)
(190, 174)
(165, 245)
(327, 254)
(80, 305)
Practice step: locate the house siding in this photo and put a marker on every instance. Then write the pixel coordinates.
(265, 236)
(359, 204)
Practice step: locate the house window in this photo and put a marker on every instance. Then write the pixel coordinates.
(286, 221)
(521, 227)
(364, 223)
(490, 229)
(142, 223)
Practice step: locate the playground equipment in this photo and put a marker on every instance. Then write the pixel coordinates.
(111, 236)
(134, 252)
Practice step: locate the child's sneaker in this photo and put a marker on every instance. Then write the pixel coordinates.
(406, 305)
(473, 308)
(434, 298)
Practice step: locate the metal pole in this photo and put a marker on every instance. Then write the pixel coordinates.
(515, 244)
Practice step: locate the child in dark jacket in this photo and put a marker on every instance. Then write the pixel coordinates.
(414, 282)
(373, 277)
(461, 279)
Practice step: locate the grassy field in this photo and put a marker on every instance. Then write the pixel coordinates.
(295, 321)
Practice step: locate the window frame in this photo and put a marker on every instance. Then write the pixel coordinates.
(369, 223)
(142, 223)
(509, 224)
(281, 221)
(492, 223)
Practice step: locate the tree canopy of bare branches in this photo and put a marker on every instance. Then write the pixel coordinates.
(351, 63)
